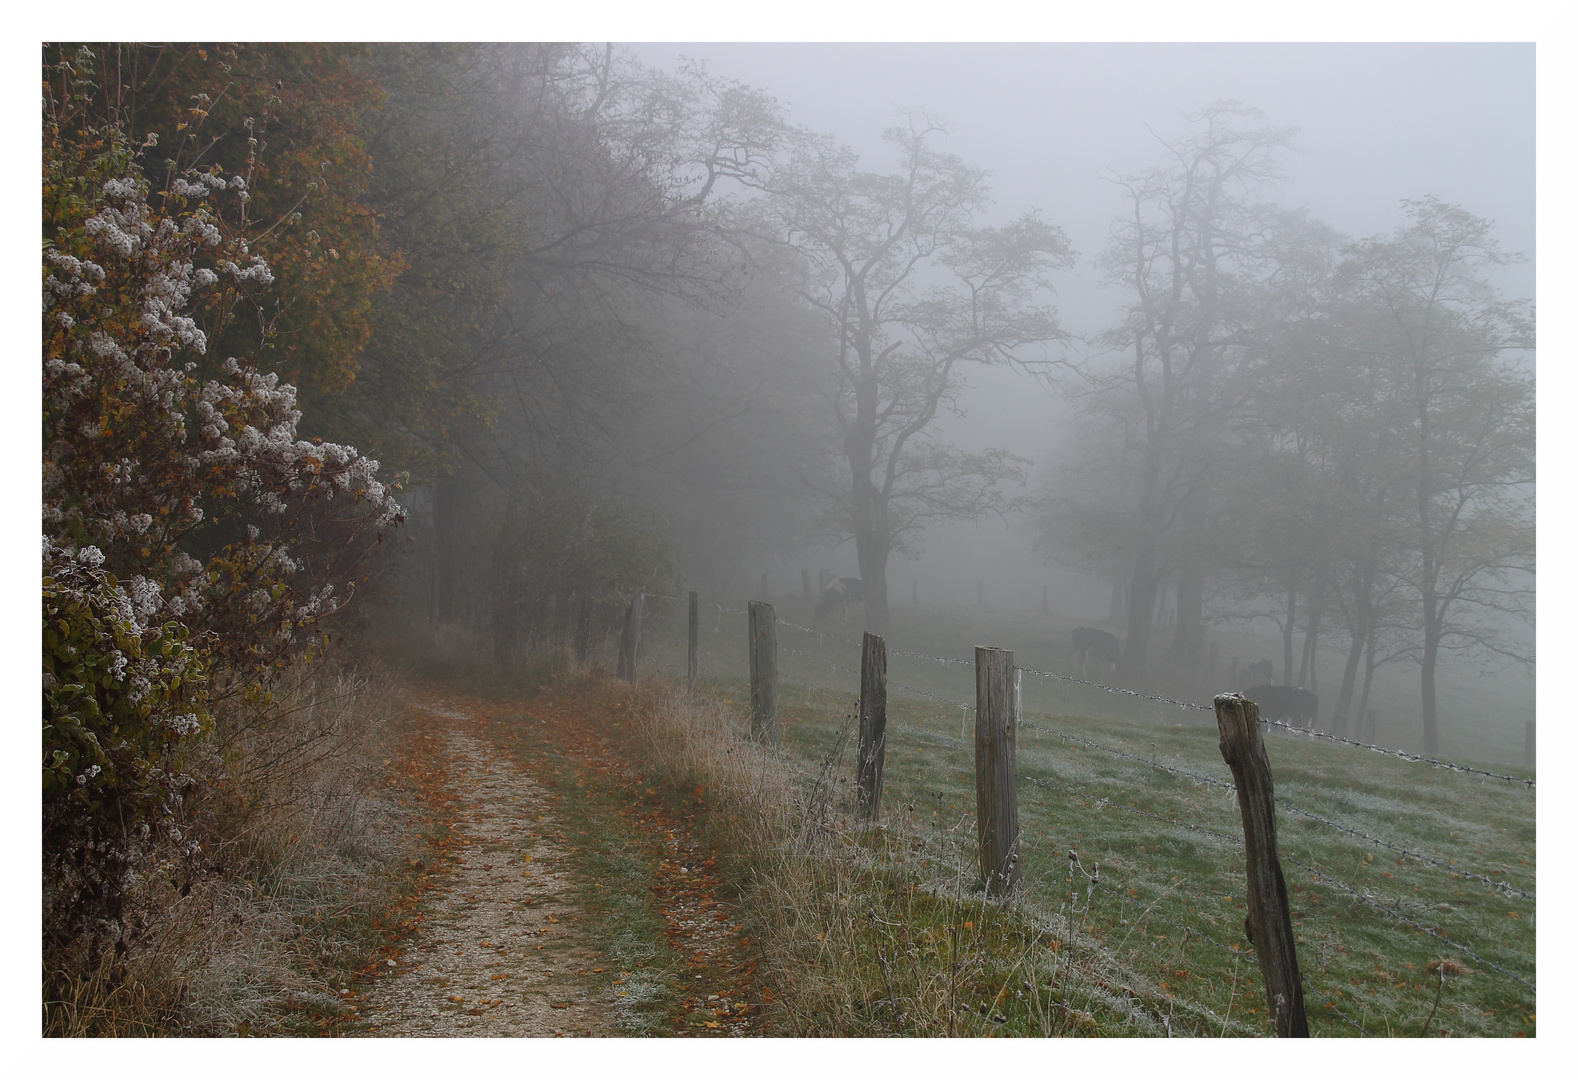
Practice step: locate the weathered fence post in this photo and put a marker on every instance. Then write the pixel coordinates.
(583, 629)
(996, 783)
(873, 725)
(805, 584)
(690, 646)
(631, 638)
(1528, 744)
(763, 622)
(1269, 926)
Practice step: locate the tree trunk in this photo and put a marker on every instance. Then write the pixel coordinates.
(1363, 713)
(1312, 634)
(447, 520)
(1427, 678)
(1350, 674)
(1142, 601)
(1189, 633)
(1287, 630)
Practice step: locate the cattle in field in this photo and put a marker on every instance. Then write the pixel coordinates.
(1088, 641)
(1259, 673)
(836, 598)
(1293, 704)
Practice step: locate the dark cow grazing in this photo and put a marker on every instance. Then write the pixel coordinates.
(836, 598)
(1294, 704)
(1088, 641)
(1260, 673)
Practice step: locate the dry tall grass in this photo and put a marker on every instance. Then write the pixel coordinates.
(296, 849)
(880, 929)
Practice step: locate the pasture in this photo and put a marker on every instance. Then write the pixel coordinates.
(1391, 864)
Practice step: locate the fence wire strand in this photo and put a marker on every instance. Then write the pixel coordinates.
(1394, 913)
(1526, 781)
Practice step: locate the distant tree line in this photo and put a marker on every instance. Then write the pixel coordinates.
(1337, 435)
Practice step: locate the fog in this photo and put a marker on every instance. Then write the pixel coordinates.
(1055, 122)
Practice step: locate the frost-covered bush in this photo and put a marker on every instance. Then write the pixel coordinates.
(124, 688)
(192, 541)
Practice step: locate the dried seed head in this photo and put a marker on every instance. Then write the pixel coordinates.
(1445, 968)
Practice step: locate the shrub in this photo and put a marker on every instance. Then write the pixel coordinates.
(193, 544)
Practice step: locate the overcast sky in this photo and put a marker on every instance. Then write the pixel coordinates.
(1376, 123)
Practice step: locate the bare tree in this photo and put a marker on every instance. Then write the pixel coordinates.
(1455, 360)
(1200, 256)
(912, 293)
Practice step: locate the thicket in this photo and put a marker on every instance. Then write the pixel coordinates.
(194, 543)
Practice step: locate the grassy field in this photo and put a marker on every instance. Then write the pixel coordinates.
(1159, 926)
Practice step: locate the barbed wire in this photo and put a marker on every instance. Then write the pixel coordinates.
(1388, 909)
(1402, 754)
(949, 740)
(934, 697)
(1118, 690)
(1340, 827)
(1526, 781)
(1197, 777)
(1107, 801)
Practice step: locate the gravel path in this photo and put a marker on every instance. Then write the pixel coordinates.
(500, 945)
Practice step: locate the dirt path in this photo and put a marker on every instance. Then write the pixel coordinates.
(495, 942)
(499, 947)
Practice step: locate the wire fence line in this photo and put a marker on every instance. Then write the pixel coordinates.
(1196, 777)
(1418, 856)
(1361, 896)
(1504, 886)
(1528, 782)
(823, 636)
(1103, 800)
(1398, 915)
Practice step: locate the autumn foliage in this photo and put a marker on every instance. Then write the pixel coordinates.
(193, 543)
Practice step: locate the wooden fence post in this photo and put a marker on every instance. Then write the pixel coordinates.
(763, 630)
(805, 584)
(583, 629)
(1269, 926)
(1528, 744)
(690, 647)
(873, 725)
(996, 783)
(631, 638)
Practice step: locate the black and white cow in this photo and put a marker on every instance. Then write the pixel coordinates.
(1088, 641)
(836, 598)
(1293, 704)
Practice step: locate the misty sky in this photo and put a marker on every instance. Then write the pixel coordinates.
(1376, 124)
